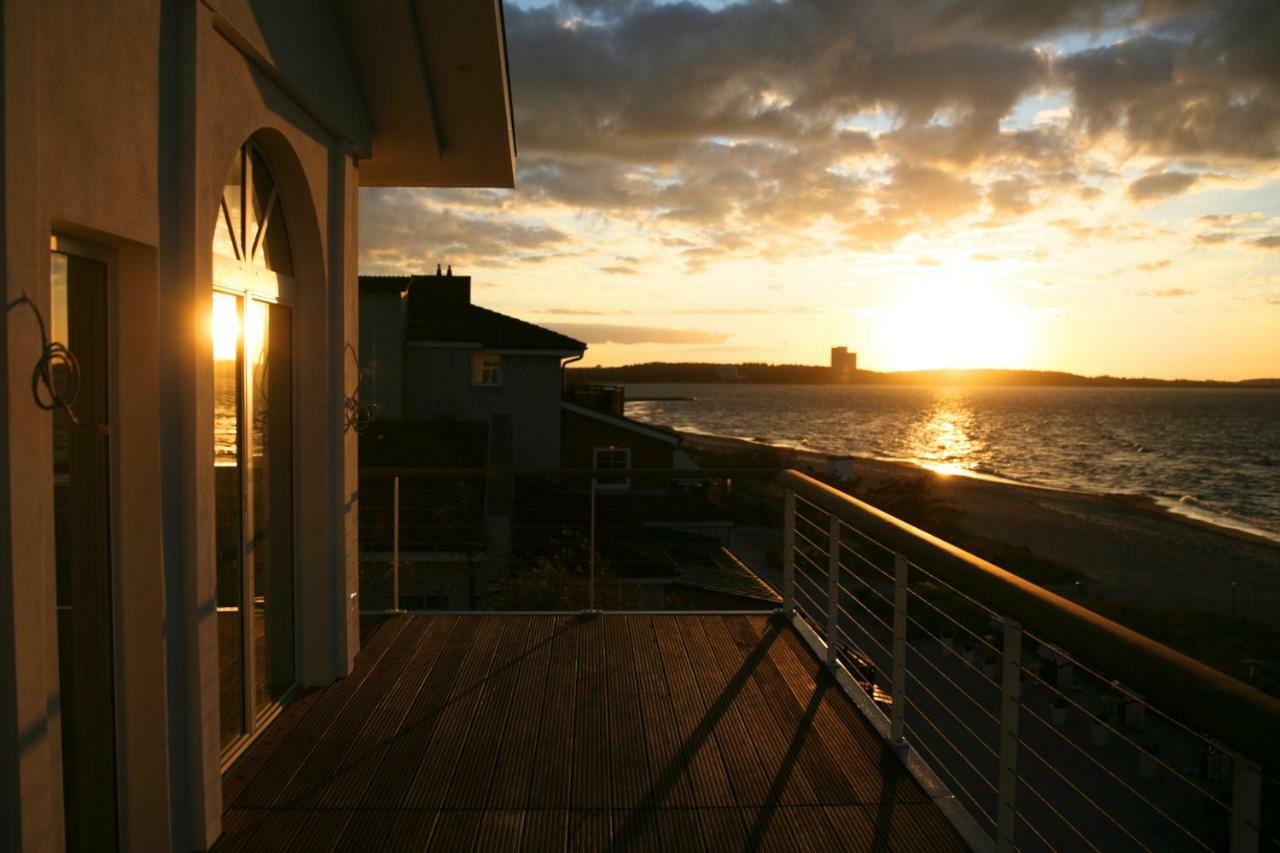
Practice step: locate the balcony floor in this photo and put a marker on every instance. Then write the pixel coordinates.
(542, 732)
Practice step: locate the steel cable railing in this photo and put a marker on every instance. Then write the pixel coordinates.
(1052, 753)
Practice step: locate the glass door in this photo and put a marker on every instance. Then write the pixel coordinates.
(252, 330)
(82, 555)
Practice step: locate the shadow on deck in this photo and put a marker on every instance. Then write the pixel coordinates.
(608, 732)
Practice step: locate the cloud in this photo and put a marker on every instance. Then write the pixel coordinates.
(745, 312)
(1153, 266)
(404, 232)
(581, 312)
(1172, 292)
(617, 270)
(758, 129)
(1161, 185)
(1010, 196)
(1271, 241)
(1205, 85)
(605, 333)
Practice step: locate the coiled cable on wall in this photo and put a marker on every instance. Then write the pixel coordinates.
(54, 359)
(357, 413)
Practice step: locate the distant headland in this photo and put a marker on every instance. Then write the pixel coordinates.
(810, 374)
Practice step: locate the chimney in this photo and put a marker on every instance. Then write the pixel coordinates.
(442, 289)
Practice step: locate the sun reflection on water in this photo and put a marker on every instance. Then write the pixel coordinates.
(944, 440)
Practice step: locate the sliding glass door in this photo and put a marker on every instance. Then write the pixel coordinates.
(82, 554)
(252, 330)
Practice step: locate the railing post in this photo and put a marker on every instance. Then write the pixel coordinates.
(1246, 804)
(395, 543)
(1010, 702)
(898, 710)
(833, 589)
(789, 553)
(591, 557)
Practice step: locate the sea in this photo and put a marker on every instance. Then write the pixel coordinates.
(1211, 454)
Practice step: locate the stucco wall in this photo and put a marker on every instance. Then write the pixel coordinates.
(437, 383)
(120, 120)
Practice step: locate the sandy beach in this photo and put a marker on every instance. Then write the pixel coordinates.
(1122, 547)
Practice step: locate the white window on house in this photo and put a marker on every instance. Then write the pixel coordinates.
(616, 458)
(486, 369)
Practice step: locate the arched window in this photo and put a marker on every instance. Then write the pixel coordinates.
(253, 291)
(251, 228)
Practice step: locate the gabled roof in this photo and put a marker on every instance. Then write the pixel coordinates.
(489, 329)
(438, 311)
(656, 433)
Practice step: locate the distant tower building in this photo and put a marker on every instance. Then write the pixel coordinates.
(727, 373)
(843, 363)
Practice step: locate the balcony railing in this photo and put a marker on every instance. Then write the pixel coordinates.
(1054, 727)
(567, 539)
(1037, 724)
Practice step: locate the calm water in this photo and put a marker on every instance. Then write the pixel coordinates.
(1209, 453)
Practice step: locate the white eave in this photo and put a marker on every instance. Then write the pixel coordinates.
(622, 423)
(433, 74)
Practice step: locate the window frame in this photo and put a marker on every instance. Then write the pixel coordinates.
(616, 485)
(243, 278)
(479, 369)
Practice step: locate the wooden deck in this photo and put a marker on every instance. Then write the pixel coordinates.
(541, 732)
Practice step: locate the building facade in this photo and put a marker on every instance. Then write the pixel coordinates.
(431, 354)
(178, 547)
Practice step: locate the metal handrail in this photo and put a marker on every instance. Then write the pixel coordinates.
(1225, 709)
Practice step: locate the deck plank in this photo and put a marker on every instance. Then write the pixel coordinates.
(364, 751)
(709, 778)
(513, 772)
(590, 781)
(723, 677)
(268, 778)
(669, 772)
(810, 776)
(395, 768)
(540, 732)
(628, 770)
(867, 762)
(549, 787)
(438, 761)
(325, 760)
(469, 787)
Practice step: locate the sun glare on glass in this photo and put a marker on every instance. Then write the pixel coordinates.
(225, 326)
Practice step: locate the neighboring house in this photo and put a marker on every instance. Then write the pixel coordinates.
(180, 189)
(456, 360)
(596, 439)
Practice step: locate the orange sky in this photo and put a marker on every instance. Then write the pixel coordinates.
(1091, 187)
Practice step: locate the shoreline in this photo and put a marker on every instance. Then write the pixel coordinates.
(1125, 548)
(817, 460)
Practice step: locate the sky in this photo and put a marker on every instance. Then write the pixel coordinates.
(1081, 185)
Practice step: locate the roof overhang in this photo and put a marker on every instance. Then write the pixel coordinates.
(434, 78)
(622, 423)
(499, 350)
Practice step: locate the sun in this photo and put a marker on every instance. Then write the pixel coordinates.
(953, 324)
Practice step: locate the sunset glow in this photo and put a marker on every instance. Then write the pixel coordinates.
(1020, 185)
(960, 324)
